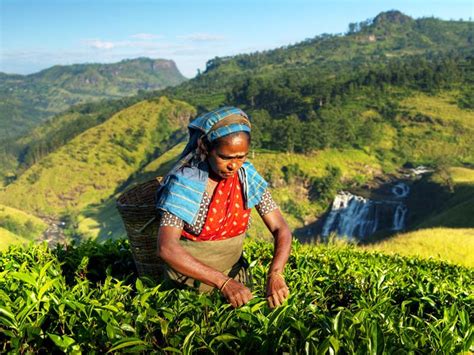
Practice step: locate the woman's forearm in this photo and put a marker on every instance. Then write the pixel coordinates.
(181, 261)
(282, 249)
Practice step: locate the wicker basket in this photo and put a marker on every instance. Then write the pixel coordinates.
(137, 207)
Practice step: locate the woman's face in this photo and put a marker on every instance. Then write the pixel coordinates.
(229, 155)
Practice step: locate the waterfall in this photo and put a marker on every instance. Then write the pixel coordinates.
(399, 217)
(357, 217)
(352, 216)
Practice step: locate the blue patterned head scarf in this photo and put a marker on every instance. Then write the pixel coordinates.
(216, 124)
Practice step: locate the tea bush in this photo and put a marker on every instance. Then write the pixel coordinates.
(86, 298)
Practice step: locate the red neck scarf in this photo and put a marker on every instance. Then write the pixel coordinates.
(227, 216)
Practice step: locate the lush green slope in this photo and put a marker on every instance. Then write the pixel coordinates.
(305, 86)
(341, 300)
(93, 165)
(402, 97)
(455, 245)
(19, 154)
(18, 227)
(433, 127)
(29, 100)
(8, 238)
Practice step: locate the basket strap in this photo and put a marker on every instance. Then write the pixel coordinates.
(150, 221)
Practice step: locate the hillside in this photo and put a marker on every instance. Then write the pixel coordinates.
(390, 37)
(93, 165)
(27, 100)
(103, 221)
(18, 154)
(324, 122)
(18, 227)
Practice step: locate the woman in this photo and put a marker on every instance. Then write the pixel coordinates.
(206, 201)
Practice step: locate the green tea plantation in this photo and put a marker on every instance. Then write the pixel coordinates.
(86, 298)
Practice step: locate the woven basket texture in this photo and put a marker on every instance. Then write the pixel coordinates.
(137, 207)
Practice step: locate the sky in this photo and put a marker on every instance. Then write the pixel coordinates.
(37, 34)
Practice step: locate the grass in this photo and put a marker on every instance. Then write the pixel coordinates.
(441, 106)
(8, 238)
(18, 226)
(102, 221)
(435, 127)
(458, 210)
(448, 244)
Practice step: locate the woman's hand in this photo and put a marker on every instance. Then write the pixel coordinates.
(236, 293)
(277, 291)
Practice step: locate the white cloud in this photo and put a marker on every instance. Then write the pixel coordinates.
(146, 36)
(202, 37)
(99, 44)
(107, 45)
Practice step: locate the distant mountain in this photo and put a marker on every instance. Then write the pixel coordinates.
(26, 100)
(390, 36)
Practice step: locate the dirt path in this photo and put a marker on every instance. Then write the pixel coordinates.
(54, 234)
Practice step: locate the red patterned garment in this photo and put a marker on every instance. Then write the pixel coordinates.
(227, 216)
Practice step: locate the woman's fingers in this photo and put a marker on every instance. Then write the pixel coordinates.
(276, 300)
(284, 292)
(236, 293)
(277, 291)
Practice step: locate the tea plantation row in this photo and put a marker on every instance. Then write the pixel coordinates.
(86, 298)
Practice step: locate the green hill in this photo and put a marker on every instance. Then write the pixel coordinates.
(18, 227)
(8, 238)
(308, 81)
(391, 37)
(31, 99)
(94, 164)
(19, 154)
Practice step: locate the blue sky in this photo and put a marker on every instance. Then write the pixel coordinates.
(36, 34)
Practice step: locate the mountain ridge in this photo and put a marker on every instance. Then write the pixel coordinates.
(30, 99)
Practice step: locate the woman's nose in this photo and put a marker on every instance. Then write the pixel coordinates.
(232, 165)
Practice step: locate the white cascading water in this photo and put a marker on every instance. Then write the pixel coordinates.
(357, 217)
(399, 217)
(351, 216)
